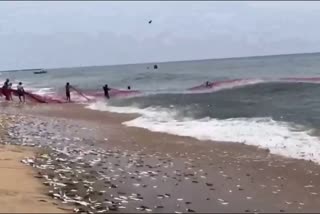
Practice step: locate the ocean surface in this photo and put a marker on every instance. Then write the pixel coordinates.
(272, 102)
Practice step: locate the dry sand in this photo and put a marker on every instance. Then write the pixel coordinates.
(20, 191)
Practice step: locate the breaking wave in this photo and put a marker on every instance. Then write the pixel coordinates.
(281, 138)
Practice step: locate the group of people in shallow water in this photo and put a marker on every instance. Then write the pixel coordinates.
(7, 91)
(105, 88)
(20, 92)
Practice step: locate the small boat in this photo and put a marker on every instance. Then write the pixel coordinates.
(40, 72)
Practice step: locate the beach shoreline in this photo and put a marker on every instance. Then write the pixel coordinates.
(167, 173)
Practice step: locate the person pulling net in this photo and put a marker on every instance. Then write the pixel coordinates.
(21, 92)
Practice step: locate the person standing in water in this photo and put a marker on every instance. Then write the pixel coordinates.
(68, 92)
(20, 91)
(6, 83)
(106, 90)
(10, 91)
(5, 89)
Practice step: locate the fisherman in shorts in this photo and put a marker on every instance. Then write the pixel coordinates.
(21, 92)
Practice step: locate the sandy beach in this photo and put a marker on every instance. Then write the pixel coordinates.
(90, 161)
(20, 190)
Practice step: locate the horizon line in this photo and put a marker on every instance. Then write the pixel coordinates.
(163, 62)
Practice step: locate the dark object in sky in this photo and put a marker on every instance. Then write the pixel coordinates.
(155, 67)
(150, 21)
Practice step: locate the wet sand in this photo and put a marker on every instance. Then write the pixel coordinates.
(20, 191)
(133, 170)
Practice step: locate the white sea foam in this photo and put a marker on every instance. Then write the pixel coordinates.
(40, 91)
(280, 138)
